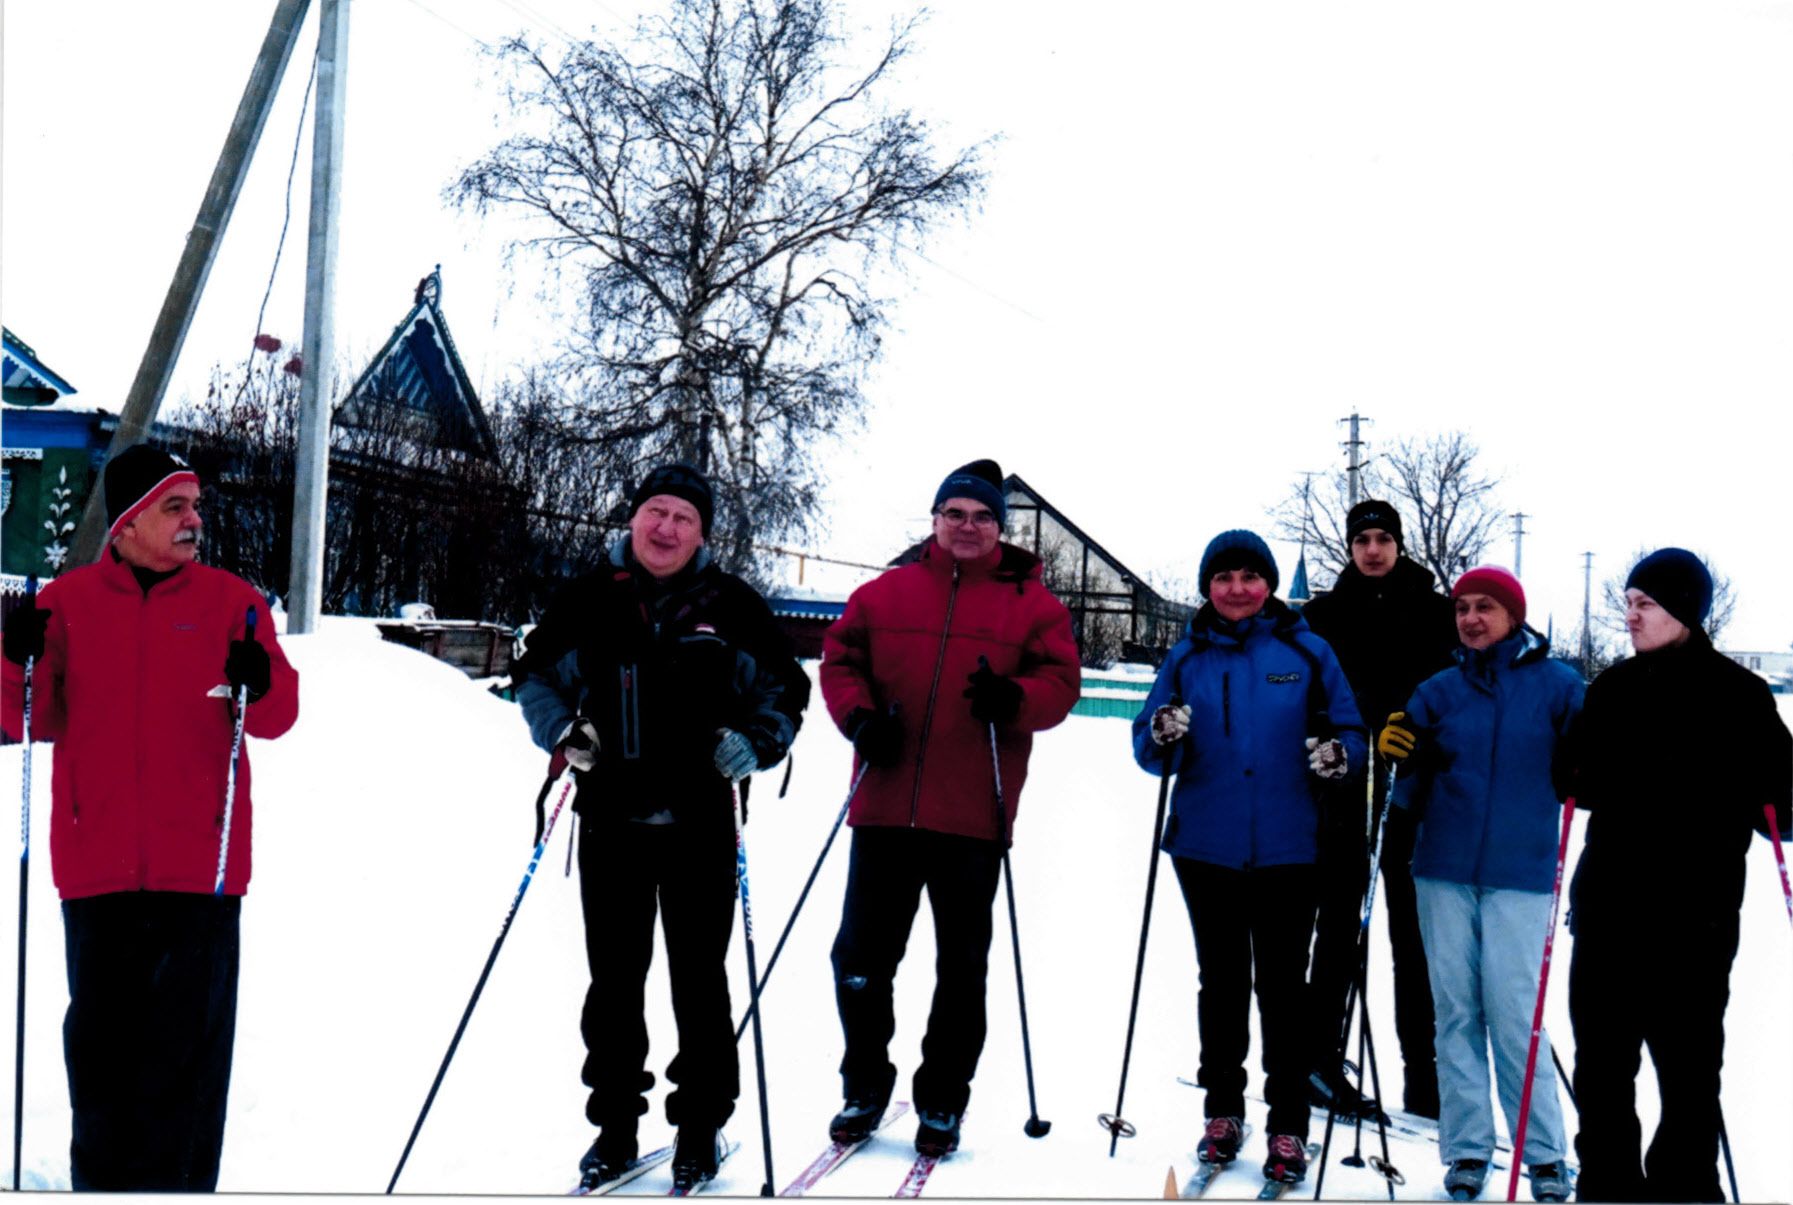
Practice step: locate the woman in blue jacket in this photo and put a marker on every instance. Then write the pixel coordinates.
(1475, 746)
(1249, 709)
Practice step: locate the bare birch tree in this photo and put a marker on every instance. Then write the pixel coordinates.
(729, 193)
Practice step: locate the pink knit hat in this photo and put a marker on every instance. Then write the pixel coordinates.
(1497, 584)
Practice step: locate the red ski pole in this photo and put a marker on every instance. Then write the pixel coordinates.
(1531, 1054)
(1780, 856)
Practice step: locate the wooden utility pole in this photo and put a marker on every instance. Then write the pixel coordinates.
(170, 332)
(312, 453)
(1519, 517)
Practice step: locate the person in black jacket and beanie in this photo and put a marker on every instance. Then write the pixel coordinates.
(660, 679)
(1391, 630)
(1675, 755)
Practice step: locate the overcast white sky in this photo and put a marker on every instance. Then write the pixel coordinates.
(1211, 231)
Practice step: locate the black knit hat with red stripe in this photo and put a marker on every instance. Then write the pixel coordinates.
(138, 476)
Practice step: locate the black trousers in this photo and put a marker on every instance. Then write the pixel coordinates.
(152, 982)
(885, 876)
(685, 873)
(1344, 877)
(1619, 1005)
(1252, 929)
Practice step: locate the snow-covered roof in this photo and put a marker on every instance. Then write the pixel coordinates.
(27, 382)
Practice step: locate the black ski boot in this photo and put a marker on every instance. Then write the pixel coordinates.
(857, 1119)
(610, 1155)
(1464, 1179)
(695, 1158)
(1333, 1089)
(1552, 1181)
(938, 1134)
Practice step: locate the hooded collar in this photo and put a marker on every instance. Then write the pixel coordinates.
(623, 558)
(1277, 618)
(1522, 647)
(1003, 563)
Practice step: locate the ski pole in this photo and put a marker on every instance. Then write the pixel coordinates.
(1119, 1127)
(1564, 1078)
(18, 1058)
(1035, 1128)
(753, 981)
(541, 845)
(1780, 855)
(1724, 1143)
(754, 1004)
(1531, 1055)
(1354, 1001)
(230, 775)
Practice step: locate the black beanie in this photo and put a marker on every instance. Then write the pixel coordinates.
(980, 480)
(681, 481)
(1678, 581)
(135, 478)
(1373, 512)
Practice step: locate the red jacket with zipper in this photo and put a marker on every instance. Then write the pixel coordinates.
(142, 746)
(912, 636)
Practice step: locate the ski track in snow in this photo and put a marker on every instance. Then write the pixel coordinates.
(392, 829)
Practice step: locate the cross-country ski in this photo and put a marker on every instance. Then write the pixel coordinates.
(839, 1152)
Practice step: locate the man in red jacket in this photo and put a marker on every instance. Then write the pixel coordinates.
(137, 661)
(958, 645)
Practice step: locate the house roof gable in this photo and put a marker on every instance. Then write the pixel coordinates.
(420, 369)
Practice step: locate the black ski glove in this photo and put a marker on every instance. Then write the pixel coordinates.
(876, 735)
(24, 637)
(248, 666)
(994, 698)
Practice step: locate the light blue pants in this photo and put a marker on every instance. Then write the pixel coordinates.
(1483, 950)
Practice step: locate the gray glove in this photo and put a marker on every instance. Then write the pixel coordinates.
(735, 755)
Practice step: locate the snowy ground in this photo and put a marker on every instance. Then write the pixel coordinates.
(392, 830)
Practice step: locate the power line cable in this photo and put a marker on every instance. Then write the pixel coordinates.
(464, 32)
(286, 218)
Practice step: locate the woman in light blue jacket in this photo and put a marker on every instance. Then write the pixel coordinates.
(1252, 714)
(1475, 747)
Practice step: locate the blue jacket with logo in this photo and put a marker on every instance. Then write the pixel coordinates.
(1489, 815)
(1256, 690)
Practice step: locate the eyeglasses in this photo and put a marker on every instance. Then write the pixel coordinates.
(957, 518)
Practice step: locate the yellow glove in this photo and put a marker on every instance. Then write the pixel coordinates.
(1396, 740)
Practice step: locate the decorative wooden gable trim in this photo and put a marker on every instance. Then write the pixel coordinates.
(24, 379)
(419, 373)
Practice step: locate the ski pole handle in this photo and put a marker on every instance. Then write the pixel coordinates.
(230, 774)
(1780, 856)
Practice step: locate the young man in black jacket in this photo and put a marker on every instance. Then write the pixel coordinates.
(1392, 630)
(1676, 754)
(661, 680)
